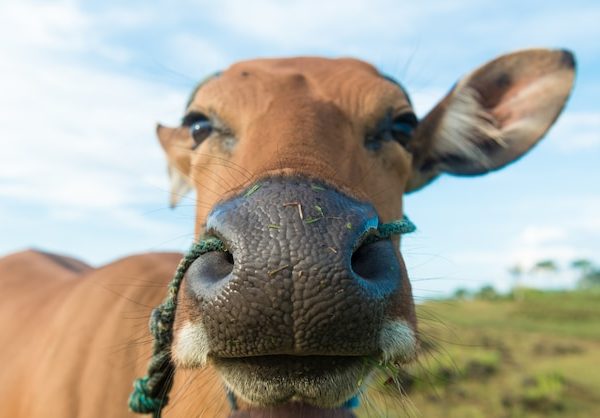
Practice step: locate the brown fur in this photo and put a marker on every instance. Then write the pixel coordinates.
(82, 338)
(73, 338)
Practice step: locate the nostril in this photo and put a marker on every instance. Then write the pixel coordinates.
(229, 258)
(372, 261)
(212, 267)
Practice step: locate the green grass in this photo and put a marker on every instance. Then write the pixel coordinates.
(534, 354)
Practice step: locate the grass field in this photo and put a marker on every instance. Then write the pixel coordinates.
(535, 354)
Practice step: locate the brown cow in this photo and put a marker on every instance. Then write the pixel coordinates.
(293, 318)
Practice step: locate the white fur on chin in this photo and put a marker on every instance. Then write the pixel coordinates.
(191, 346)
(397, 341)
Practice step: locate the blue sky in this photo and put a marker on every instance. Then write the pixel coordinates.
(83, 83)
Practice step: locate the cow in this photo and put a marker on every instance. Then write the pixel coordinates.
(291, 160)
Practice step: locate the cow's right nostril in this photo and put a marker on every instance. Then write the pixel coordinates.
(212, 267)
(229, 258)
(373, 261)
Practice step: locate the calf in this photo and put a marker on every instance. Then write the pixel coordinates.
(293, 161)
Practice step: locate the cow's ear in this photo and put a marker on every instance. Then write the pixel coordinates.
(177, 144)
(493, 116)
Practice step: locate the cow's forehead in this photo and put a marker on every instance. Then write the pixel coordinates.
(354, 84)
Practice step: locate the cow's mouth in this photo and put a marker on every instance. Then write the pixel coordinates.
(293, 410)
(319, 381)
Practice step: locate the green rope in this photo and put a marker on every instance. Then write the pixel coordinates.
(397, 227)
(150, 393)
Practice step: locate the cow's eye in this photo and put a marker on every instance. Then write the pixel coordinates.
(200, 127)
(399, 128)
(402, 127)
(200, 131)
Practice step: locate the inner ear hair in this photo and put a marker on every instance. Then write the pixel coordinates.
(467, 132)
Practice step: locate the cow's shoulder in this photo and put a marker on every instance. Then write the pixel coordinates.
(39, 266)
(140, 279)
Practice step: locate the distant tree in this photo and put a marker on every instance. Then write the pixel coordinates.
(517, 272)
(461, 293)
(590, 280)
(487, 293)
(545, 266)
(589, 273)
(585, 266)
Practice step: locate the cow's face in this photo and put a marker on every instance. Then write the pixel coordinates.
(292, 161)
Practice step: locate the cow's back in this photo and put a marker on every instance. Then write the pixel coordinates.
(73, 337)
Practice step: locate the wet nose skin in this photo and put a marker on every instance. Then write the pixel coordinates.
(295, 281)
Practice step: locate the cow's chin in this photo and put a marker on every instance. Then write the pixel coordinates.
(325, 381)
(320, 381)
(292, 410)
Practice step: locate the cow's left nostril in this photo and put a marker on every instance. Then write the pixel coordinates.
(229, 258)
(372, 261)
(212, 267)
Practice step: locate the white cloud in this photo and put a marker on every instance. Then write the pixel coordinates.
(75, 137)
(562, 27)
(61, 27)
(196, 55)
(484, 257)
(311, 24)
(358, 27)
(539, 235)
(73, 134)
(46, 25)
(576, 132)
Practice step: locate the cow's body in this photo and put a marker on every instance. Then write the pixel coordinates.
(74, 338)
(296, 162)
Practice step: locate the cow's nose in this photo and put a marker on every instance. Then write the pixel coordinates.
(297, 278)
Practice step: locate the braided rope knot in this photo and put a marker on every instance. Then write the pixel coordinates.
(397, 227)
(141, 401)
(387, 230)
(150, 393)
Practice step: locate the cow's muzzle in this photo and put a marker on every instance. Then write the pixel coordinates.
(296, 279)
(299, 301)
